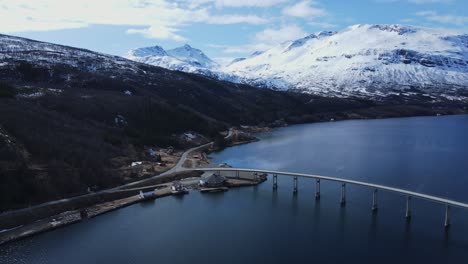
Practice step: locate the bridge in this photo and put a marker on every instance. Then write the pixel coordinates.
(376, 187)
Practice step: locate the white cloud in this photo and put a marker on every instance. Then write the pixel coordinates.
(235, 19)
(304, 9)
(161, 19)
(223, 60)
(272, 36)
(159, 32)
(445, 19)
(266, 39)
(237, 3)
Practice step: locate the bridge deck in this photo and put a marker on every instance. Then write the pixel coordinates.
(341, 180)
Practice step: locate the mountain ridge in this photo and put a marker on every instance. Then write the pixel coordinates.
(184, 58)
(365, 60)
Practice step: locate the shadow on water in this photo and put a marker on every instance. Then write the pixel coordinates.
(446, 235)
(295, 204)
(407, 233)
(342, 220)
(274, 199)
(373, 227)
(317, 215)
(255, 192)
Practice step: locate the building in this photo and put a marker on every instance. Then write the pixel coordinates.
(209, 179)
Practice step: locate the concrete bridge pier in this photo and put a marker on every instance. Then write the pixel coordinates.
(374, 202)
(343, 194)
(317, 189)
(237, 174)
(408, 209)
(295, 184)
(275, 181)
(447, 216)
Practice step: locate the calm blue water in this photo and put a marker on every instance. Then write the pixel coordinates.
(258, 225)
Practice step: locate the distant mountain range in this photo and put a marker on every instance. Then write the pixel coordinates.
(369, 61)
(184, 58)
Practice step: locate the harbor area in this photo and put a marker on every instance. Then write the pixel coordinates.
(70, 212)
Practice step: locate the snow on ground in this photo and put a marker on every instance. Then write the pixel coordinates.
(361, 57)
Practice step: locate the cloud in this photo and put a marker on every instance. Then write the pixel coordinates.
(235, 19)
(266, 39)
(304, 9)
(223, 60)
(159, 18)
(237, 3)
(271, 36)
(445, 19)
(159, 32)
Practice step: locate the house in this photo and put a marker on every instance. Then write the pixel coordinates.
(209, 179)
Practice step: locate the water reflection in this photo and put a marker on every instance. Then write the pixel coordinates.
(260, 225)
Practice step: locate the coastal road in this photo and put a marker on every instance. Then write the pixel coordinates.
(178, 167)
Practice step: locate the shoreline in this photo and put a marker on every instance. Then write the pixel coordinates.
(49, 223)
(69, 217)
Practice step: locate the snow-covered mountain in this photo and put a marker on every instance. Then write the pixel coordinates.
(362, 60)
(367, 60)
(183, 58)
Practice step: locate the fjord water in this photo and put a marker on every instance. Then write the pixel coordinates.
(259, 225)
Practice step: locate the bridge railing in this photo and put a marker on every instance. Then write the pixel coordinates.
(409, 194)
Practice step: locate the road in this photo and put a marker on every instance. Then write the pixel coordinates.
(178, 167)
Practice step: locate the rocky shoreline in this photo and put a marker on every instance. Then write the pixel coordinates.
(132, 196)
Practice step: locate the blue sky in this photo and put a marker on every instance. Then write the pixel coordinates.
(224, 29)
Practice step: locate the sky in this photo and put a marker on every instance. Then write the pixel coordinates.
(223, 29)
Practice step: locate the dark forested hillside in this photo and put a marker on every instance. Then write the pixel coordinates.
(65, 113)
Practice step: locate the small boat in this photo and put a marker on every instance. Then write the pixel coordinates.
(178, 188)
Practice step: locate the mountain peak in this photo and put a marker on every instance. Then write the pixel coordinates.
(147, 51)
(396, 28)
(183, 58)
